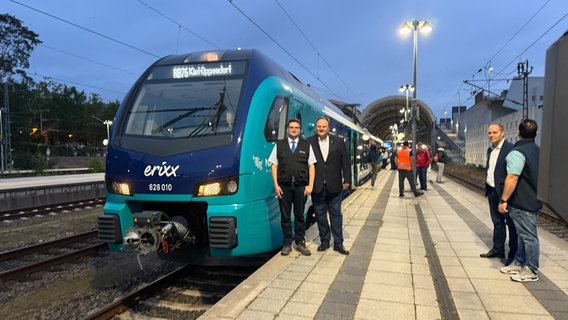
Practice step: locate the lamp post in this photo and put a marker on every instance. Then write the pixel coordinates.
(406, 28)
(406, 88)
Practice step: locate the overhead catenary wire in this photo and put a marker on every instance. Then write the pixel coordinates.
(315, 49)
(502, 73)
(87, 29)
(179, 24)
(281, 47)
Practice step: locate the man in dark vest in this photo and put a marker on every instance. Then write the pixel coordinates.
(293, 175)
(494, 182)
(519, 200)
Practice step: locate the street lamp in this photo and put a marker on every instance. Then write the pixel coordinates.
(406, 28)
(108, 123)
(406, 88)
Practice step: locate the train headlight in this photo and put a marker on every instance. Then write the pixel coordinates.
(217, 188)
(118, 187)
(210, 189)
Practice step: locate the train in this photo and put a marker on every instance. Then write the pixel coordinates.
(553, 176)
(187, 171)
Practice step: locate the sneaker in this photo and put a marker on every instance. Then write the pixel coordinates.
(401, 195)
(301, 248)
(526, 275)
(286, 250)
(511, 269)
(418, 194)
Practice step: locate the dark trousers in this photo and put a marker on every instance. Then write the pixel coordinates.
(292, 195)
(500, 223)
(408, 175)
(325, 202)
(422, 176)
(393, 165)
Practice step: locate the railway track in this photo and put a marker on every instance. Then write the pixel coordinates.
(45, 210)
(553, 224)
(185, 293)
(18, 263)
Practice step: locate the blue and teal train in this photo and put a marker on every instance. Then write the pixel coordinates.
(187, 171)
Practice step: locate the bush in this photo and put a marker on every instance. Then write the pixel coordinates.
(97, 165)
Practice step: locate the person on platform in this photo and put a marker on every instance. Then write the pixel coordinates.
(385, 158)
(293, 174)
(519, 200)
(441, 158)
(422, 164)
(374, 158)
(404, 164)
(333, 175)
(393, 156)
(495, 180)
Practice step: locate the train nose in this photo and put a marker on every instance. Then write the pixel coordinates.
(132, 239)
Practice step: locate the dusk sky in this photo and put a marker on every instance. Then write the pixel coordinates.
(346, 50)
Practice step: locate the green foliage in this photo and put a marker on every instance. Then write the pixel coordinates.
(46, 113)
(16, 45)
(35, 161)
(97, 165)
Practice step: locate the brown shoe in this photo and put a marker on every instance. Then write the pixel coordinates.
(286, 250)
(301, 248)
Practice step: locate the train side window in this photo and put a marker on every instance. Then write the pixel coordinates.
(275, 127)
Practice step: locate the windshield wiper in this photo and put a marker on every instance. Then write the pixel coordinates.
(212, 119)
(178, 118)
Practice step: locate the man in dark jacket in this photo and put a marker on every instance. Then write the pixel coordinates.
(496, 173)
(519, 200)
(333, 175)
(293, 175)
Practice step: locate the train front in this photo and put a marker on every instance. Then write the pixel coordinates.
(172, 169)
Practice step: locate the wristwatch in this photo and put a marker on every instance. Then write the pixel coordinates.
(502, 200)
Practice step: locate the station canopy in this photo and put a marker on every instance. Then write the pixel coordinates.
(380, 115)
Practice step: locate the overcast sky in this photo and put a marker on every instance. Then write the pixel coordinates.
(103, 46)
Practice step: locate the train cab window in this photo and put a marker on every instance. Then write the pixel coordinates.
(184, 109)
(275, 127)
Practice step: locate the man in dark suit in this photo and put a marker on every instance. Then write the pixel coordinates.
(333, 175)
(494, 183)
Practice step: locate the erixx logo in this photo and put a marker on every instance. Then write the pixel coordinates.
(164, 170)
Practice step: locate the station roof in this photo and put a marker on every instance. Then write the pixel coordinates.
(381, 114)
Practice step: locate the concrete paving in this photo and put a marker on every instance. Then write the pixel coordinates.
(411, 258)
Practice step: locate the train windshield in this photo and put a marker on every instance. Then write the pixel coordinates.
(187, 101)
(187, 109)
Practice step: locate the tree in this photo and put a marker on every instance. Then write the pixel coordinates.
(16, 45)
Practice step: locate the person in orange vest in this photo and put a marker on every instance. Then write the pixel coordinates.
(404, 165)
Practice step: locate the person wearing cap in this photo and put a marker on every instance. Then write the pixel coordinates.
(404, 165)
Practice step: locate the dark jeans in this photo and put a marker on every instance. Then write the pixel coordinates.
(323, 202)
(292, 195)
(408, 175)
(500, 223)
(422, 176)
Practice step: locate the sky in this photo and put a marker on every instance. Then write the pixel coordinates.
(346, 50)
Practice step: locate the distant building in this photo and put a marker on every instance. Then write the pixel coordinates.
(506, 109)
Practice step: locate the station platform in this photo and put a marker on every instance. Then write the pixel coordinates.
(411, 258)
